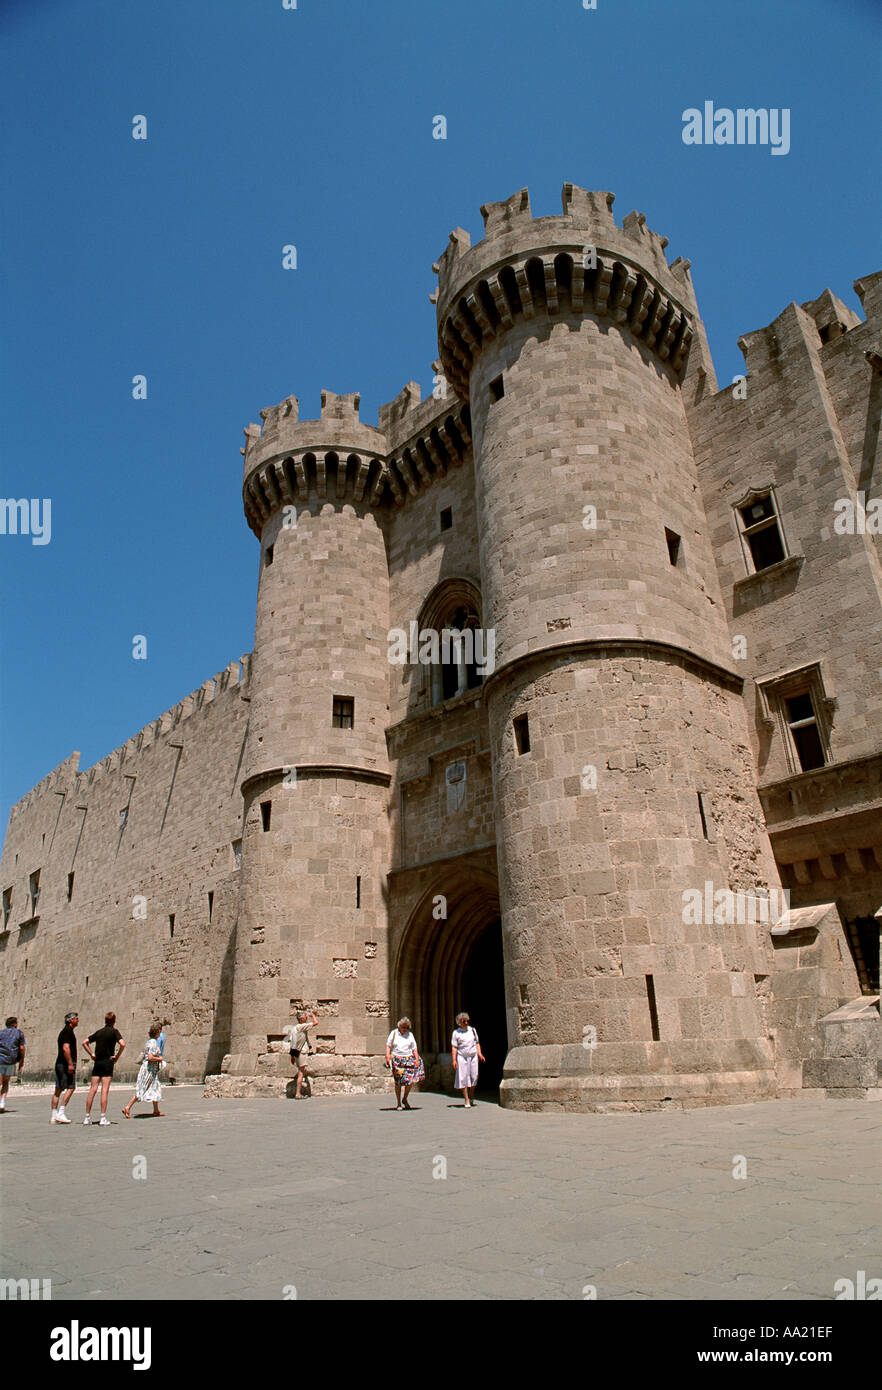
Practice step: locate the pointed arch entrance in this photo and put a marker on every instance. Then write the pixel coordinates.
(447, 964)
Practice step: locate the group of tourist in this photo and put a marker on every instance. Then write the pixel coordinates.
(108, 1048)
(402, 1057)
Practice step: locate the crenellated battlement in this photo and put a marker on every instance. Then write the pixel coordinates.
(69, 777)
(337, 458)
(816, 324)
(579, 262)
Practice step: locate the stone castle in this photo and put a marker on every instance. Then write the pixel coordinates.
(585, 841)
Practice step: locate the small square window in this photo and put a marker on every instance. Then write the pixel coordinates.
(497, 389)
(522, 734)
(446, 518)
(343, 712)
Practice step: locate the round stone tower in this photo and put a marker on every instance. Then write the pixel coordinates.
(618, 734)
(312, 924)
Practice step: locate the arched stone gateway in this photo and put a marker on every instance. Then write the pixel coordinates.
(446, 964)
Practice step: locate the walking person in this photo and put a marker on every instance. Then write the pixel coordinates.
(106, 1040)
(163, 1065)
(403, 1056)
(300, 1048)
(12, 1055)
(147, 1085)
(65, 1069)
(466, 1051)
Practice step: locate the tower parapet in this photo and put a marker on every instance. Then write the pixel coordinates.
(581, 261)
(337, 458)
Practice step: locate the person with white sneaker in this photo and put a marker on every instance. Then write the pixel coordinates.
(109, 1044)
(12, 1055)
(65, 1069)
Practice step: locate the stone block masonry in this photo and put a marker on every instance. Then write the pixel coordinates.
(685, 695)
(138, 886)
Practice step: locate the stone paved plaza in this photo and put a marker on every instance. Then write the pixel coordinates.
(337, 1197)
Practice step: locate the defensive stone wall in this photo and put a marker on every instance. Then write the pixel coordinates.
(138, 886)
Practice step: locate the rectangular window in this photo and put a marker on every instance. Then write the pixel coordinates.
(266, 812)
(446, 518)
(237, 854)
(497, 389)
(802, 721)
(171, 924)
(123, 817)
(761, 533)
(34, 891)
(343, 712)
(7, 906)
(70, 884)
(799, 705)
(358, 890)
(210, 905)
(268, 555)
(522, 734)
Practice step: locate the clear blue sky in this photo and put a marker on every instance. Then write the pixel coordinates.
(313, 126)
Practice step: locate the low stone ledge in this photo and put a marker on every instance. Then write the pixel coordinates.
(224, 1086)
(640, 1062)
(604, 1095)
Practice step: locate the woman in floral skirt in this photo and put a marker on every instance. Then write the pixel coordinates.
(147, 1086)
(403, 1056)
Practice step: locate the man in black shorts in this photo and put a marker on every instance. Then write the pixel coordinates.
(65, 1068)
(106, 1041)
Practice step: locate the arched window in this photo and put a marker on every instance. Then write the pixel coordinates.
(451, 633)
(457, 668)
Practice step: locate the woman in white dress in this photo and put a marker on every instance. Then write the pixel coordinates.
(147, 1086)
(403, 1056)
(466, 1051)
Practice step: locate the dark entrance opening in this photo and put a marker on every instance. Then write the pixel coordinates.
(864, 932)
(451, 961)
(482, 993)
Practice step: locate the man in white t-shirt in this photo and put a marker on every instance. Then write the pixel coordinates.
(299, 1046)
(466, 1051)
